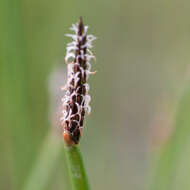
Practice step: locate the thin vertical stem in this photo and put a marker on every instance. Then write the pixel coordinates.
(76, 168)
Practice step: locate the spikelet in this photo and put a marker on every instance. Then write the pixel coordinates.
(76, 99)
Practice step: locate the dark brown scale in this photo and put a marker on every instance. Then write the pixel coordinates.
(84, 49)
(80, 60)
(83, 80)
(76, 68)
(72, 82)
(81, 121)
(74, 98)
(67, 127)
(76, 135)
(83, 112)
(79, 99)
(74, 125)
(71, 89)
(83, 90)
(80, 27)
(67, 123)
(80, 75)
(74, 108)
(79, 90)
(78, 83)
(78, 50)
(85, 76)
(76, 117)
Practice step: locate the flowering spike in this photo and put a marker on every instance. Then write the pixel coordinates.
(76, 99)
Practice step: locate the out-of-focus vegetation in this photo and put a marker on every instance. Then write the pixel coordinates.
(172, 168)
(137, 136)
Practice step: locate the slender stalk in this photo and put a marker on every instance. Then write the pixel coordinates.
(76, 168)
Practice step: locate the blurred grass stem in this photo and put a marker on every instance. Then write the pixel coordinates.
(45, 165)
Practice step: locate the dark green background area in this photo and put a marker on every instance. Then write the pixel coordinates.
(137, 134)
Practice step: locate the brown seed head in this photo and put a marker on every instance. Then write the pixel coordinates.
(76, 100)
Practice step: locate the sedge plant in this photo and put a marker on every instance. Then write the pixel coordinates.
(76, 100)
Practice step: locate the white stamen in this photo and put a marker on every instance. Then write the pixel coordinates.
(69, 55)
(73, 36)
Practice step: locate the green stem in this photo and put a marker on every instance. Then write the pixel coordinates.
(76, 168)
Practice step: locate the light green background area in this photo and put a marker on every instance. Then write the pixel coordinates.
(137, 136)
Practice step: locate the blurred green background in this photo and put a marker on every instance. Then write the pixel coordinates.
(137, 136)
